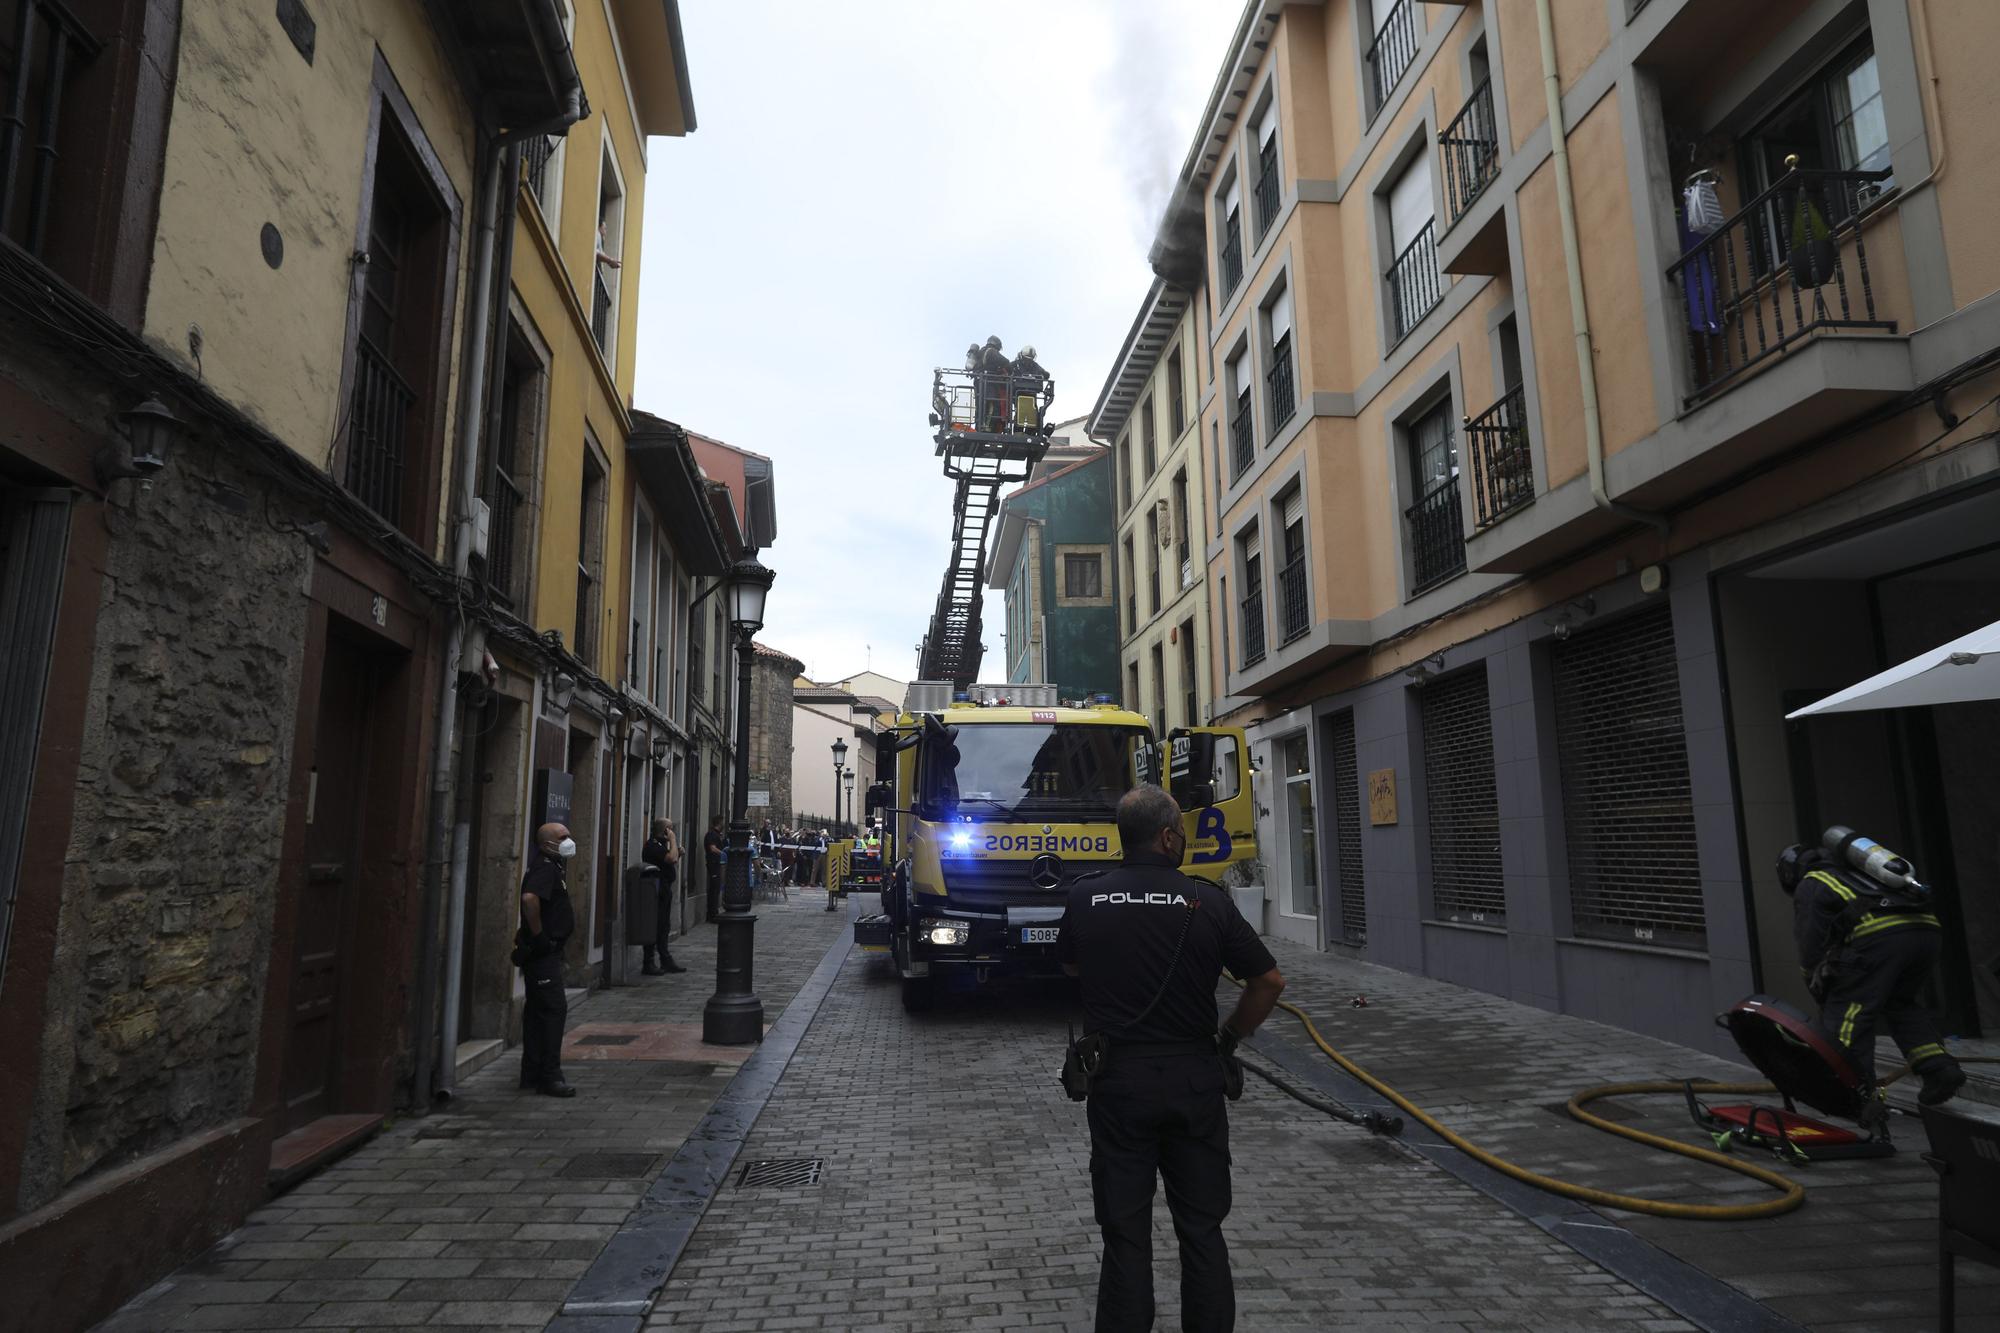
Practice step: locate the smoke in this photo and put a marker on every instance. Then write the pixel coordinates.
(1145, 101)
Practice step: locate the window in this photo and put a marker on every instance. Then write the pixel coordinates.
(1183, 547)
(1414, 281)
(1124, 450)
(1302, 833)
(1190, 703)
(390, 417)
(666, 649)
(1251, 558)
(1148, 437)
(512, 451)
(34, 531)
(1437, 538)
(1834, 123)
(1229, 234)
(590, 559)
(1132, 696)
(1278, 379)
(697, 668)
(542, 157)
(1267, 165)
(1083, 575)
(1159, 690)
(1131, 588)
(607, 263)
(1390, 49)
(1176, 395)
(1242, 423)
(717, 697)
(639, 651)
(1293, 609)
(1153, 559)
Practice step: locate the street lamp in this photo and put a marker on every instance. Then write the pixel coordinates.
(850, 801)
(734, 1016)
(839, 767)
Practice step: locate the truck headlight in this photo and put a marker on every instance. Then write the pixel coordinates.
(937, 930)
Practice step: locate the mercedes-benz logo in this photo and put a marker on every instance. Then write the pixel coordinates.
(1046, 871)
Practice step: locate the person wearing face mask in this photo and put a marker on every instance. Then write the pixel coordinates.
(547, 921)
(1148, 944)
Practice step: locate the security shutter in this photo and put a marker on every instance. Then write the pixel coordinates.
(1232, 199)
(1267, 124)
(1464, 803)
(1345, 793)
(1281, 316)
(1627, 802)
(34, 534)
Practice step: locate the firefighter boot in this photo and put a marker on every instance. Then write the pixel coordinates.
(1942, 1080)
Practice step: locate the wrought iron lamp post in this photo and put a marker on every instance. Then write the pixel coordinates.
(734, 1016)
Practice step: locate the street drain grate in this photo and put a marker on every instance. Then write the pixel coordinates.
(607, 1039)
(781, 1173)
(608, 1166)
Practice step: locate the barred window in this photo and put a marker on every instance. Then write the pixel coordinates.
(1464, 802)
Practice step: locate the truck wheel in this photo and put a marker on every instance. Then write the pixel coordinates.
(919, 994)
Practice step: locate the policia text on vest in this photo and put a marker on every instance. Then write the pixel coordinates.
(1149, 945)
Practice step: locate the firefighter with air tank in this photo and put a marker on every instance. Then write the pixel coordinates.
(1868, 943)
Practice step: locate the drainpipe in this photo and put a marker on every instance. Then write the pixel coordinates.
(1579, 316)
(445, 853)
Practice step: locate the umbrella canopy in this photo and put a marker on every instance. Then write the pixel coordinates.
(1958, 672)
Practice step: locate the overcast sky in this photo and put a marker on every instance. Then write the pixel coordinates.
(872, 186)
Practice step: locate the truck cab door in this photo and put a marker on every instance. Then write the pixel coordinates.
(1208, 772)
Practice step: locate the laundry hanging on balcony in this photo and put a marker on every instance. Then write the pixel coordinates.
(1701, 205)
(1704, 309)
(1813, 256)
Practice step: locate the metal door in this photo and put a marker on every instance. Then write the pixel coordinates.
(1344, 791)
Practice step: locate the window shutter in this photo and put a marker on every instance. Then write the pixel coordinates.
(1281, 316)
(1253, 544)
(1267, 126)
(1232, 199)
(1295, 507)
(1410, 202)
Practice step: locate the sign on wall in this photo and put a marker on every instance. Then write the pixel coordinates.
(552, 800)
(1382, 796)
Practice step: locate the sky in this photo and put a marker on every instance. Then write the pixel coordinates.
(872, 186)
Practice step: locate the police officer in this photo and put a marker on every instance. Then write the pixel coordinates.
(662, 856)
(1149, 944)
(1868, 956)
(547, 921)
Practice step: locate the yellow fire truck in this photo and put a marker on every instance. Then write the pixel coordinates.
(996, 798)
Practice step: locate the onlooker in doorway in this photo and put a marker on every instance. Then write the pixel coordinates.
(713, 848)
(662, 855)
(547, 921)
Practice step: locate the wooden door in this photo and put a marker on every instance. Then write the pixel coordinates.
(332, 882)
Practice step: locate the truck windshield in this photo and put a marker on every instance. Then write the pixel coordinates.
(1066, 770)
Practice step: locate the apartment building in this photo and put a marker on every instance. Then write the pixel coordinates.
(1148, 412)
(1559, 447)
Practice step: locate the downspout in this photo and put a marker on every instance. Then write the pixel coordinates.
(1579, 315)
(501, 153)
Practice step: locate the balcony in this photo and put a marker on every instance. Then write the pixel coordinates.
(1232, 257)
(1394, 47)
(1470, 147)
(1787, 266)
(1278, 383)
(1295, 616)
(535, 154)
(1253, 629)
(378, 433)
(1414, 283)
(1242, 439)
(1503, 465)
(1437, 535)
(1267, 187)
(49, 43)
(600, 310)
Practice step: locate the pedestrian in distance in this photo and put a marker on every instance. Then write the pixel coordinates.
(547, 922)
(662, 855)
(713, 848)
(1148, 944)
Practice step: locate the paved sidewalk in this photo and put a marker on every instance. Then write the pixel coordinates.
(956, 1195)
(482, 1216)
(1859, 1257)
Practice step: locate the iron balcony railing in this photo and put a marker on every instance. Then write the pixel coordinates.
(1394, 47)
(1278, 383)
(378, 433)
(1242, 438)
(1470, 147)
(535, 155)
(1790, 263)
(48, 42)
(1267, 186)
(1296, 616)
(1232, 255)
(1503, 468)
(1437, 534)
(1414, 282)
(1253, 629)
(600, 310)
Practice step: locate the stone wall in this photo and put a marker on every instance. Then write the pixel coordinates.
(156, 995)
(771, 677)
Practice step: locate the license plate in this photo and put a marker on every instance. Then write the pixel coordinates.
(1040, 934)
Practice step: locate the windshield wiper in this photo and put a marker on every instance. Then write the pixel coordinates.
(992, 801)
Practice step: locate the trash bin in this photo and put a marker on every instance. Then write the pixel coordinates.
(642, 905)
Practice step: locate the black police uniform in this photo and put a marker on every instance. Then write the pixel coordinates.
(662, 874)
(546, 1007)
(1159, 1105)
(1869, 959)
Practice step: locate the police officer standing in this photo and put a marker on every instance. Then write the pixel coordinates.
(1868, 949)
(547, 921)
(1149, 945)
(662, 855)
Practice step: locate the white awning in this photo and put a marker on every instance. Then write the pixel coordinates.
(1964, 670)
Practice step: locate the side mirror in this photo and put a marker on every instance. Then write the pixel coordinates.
(877, 799)
(1191, 768)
